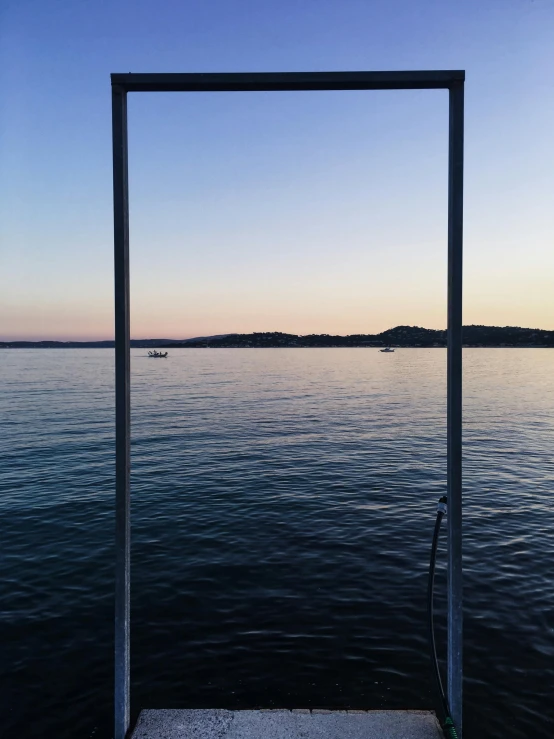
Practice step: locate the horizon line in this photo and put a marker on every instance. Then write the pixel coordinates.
(250, 333)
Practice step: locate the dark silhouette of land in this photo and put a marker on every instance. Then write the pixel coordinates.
(405, 336)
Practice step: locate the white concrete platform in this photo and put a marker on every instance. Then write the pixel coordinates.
(283, 724)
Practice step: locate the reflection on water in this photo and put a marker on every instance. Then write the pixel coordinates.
(283, 505)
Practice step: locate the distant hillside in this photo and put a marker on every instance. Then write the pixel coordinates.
(135, 343)
(408, 336)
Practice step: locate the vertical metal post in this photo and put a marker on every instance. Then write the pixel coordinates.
(122, 411)
(454, 401)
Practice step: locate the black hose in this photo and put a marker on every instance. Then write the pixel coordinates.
(448, 726)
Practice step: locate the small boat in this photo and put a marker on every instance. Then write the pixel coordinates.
(387, 350)
(157, 355)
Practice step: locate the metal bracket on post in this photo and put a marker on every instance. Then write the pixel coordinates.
(454, 401)
(122, 411)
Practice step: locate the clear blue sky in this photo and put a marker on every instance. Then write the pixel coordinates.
(302, 212)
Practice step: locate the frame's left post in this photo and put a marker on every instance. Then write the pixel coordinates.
(122, 412)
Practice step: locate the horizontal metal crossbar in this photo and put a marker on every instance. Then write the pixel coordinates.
(272, 81)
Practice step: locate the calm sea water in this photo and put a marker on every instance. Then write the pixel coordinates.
(283, 502)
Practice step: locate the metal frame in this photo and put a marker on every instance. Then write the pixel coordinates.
(453, 81)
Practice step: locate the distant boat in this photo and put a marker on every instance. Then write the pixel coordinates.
(157, 355)
(387, 350)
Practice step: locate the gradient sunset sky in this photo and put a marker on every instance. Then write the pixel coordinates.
(299, 212)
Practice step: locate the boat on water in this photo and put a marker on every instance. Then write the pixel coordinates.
(157, 355)
(387, 350)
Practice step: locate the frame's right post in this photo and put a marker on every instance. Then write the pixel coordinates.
(454, 401)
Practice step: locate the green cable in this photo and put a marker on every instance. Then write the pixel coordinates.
(449, 729)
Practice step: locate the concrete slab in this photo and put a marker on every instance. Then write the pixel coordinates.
(283, 724)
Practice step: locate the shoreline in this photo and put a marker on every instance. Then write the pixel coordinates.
(330, 346)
